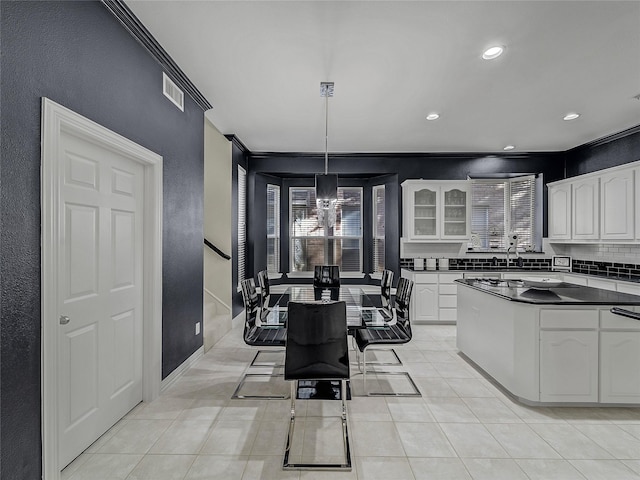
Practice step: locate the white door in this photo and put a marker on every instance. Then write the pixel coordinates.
(100, 291)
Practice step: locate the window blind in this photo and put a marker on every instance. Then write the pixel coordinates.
(313, 245)
(378, 194)
(500, 207)
(273, 228)
(242, 223)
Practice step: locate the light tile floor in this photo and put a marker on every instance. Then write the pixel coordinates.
(463, 427)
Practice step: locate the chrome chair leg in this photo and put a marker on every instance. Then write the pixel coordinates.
(415, 391)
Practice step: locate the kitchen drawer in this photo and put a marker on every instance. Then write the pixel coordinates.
(425, 277)
(448, 289)
(448, 301)
(449, 277)
(448, 314)
(569, 319)
(610, 321)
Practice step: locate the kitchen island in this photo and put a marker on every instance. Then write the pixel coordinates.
(555, 345)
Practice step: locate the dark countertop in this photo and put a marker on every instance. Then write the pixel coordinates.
(563, 294)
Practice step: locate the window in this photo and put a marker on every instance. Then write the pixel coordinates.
(378, 228)
(313, 245)
(500, 207)
(242, 223)
(273, 228)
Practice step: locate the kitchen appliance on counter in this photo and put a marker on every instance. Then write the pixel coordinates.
(443, 264)
(418, 263)
(561, 263)
(431, 263)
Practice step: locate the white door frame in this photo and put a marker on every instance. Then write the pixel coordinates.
(55, 120)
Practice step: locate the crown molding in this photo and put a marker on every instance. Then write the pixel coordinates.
(135, 27)
(609, 138)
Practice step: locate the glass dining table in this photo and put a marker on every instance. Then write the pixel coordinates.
(361, 310)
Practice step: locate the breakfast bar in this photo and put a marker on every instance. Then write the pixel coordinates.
(551, 342)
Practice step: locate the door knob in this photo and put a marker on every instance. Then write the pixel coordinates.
(64, 319)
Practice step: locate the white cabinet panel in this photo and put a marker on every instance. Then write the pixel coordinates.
(619, 372)
(436, 210)
(629, 287)
(559, 212)
(568, 366)
(617, 205)
(585, 209)
(425, 300)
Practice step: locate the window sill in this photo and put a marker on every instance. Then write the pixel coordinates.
(274, 275)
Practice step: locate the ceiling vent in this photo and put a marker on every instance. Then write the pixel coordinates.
(172, 92)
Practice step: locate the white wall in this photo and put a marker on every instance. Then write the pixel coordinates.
(217, 229)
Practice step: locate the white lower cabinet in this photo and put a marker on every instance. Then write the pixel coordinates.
(619, 362)
(569, 355)
(619, 358)
(448, 296)
(568, 366)
(424, 299)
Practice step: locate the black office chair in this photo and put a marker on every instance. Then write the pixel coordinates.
(395, 333)
(265, 294)
(317, 350)
(326, 276)
(256, 335)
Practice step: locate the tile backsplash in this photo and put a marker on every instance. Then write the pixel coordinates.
(611, 260)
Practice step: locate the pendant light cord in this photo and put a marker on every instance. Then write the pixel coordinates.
(326, 132)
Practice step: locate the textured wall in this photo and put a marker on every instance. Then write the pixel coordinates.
(78, 55)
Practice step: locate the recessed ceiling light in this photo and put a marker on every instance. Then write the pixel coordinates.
(509, 147)
(433, 116)
(571, 116)
(493, 52)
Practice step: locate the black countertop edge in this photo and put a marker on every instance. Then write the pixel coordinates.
(575, 295)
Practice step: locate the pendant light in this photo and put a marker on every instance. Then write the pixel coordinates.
(327, 184)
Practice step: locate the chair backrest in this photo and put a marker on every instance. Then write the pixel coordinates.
(263, 282)
(326, 276)
(385, 289)
(251, 302)
(402, 303)
(316, 346)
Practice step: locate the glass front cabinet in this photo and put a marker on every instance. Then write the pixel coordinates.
(435, 210)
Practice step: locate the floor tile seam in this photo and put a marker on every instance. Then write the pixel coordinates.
(603, 447)
(492, 436)
(129, 477)
(548, 442)
(631, 471)
(514, 461)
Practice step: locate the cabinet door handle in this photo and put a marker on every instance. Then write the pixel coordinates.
(64, 319)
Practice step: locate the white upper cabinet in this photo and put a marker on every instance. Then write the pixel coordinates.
(435, 210)
(559, 211)
(603, 205)
(617, 197)
(586, 209)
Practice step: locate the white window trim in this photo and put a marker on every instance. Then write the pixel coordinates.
(309, 274)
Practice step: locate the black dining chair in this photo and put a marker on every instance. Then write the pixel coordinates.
(385, 294)
(317, 350)
(394, 333)
(256, 335)
(265, 293)
(326, 276)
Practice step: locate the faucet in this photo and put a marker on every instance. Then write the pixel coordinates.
(513, 243)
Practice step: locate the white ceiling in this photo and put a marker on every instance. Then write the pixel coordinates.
(260, 64)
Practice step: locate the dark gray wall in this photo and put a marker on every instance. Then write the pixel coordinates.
(609, 152)
(78, 55)
(367, 170)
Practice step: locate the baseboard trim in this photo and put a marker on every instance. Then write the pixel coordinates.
(183, 367)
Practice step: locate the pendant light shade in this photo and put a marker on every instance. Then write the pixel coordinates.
(327, 186)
